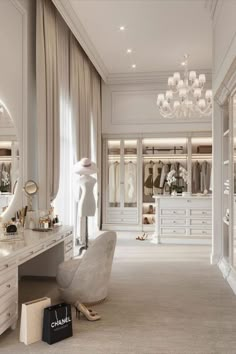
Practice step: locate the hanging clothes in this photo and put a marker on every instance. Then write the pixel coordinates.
(164, 172)
(148, 178)
(114, 183)
(130, 182)
(196, 177)
(157, 170)
(205, 176)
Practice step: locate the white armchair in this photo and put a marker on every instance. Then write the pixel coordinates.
(87, 279)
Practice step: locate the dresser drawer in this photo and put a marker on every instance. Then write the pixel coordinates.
(167, 221)
(68, 247)
(201, 212)
(173, 212)
(200, 232)
(8, 311)
(181, 202)
(173, 231)
(125, 219)
(6, 266)
(200, 222)
(119, 212)
(8, 284)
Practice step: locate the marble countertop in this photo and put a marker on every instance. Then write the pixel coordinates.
(13, 245)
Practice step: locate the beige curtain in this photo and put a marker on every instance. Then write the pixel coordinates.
(47, 103)
(69, 112)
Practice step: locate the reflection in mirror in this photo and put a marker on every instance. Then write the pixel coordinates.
(234, 180)
(9, 158)
(30, 188)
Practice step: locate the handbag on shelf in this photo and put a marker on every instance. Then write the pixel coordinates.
(31, 324)
(57, 323)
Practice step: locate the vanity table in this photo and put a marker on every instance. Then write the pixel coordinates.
(57, 244)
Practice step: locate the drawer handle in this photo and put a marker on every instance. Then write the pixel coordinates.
(8, 286)
(28, 255)
(5, 266)
(9, 314)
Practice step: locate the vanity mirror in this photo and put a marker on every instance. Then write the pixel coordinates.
(9, 159)
(30, 188)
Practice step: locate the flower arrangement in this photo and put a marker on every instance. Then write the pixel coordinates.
(171, 177)
(184, 174)
(5, 181)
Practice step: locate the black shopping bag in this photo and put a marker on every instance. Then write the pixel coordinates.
(57, 323)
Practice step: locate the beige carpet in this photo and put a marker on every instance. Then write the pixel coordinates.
(165, 299)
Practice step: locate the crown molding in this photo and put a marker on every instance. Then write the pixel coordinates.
(158, 77)
(67, 12)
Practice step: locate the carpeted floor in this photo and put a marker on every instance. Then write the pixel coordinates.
(163, 299)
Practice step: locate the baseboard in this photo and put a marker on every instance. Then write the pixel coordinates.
(215, 258)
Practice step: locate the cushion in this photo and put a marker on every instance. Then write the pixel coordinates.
(66, 271)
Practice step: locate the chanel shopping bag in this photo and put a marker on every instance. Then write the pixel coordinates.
(57, 323)
(31, 323)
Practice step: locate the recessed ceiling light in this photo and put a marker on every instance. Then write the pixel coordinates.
(122, 28)
(129, 50)
(133, 66)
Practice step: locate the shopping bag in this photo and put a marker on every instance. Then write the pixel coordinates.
(57, 323)
(31, 324)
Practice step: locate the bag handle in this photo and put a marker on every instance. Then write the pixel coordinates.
(57, 316)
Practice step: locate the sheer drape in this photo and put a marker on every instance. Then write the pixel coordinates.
(72, 89)
(47, 103)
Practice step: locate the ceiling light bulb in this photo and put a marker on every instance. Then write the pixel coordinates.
(134, 66)
(129, 50)
(122, 28)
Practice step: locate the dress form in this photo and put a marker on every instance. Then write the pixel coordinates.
(87, 204)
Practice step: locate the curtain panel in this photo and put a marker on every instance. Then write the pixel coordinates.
(68, 113)
(47, 103)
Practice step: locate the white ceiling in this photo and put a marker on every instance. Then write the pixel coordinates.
(159, 32)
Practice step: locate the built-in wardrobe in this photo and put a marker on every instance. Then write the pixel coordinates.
(136, 168)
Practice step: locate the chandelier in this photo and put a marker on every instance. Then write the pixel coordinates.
(185, 97)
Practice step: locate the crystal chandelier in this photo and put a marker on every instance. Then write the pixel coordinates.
(185, 97)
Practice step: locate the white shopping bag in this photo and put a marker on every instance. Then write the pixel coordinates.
(31, 324)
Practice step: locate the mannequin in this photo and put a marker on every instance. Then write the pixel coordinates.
(87, 205)
(84, 197)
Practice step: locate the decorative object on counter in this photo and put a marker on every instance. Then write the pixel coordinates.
(57, 323)
(146, 221)
(30, 188)
(150, 209)
(31, 324)
(185, 96)
(86, 204)
(11, 229)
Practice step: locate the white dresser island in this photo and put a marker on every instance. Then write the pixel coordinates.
(14, 253)
(183, 219)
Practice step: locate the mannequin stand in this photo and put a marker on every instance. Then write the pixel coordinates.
(85, 247)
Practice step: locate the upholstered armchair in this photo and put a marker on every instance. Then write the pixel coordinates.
(86, 279)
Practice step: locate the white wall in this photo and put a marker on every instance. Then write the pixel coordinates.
(131, 108)
(224, 39)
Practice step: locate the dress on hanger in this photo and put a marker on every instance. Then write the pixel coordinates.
(157, 170)
(130, 182)
(114, 183)
(148, 178)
